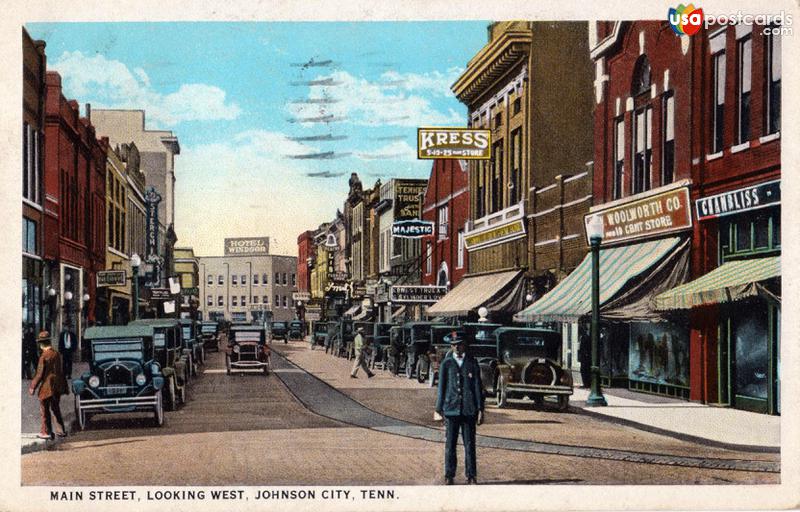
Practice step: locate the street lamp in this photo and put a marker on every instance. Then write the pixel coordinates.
(136, 261)
(595, 232)
(482, 314)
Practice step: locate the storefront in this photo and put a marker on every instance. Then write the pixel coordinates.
(501, 293)
(645, 251)
(742, 295)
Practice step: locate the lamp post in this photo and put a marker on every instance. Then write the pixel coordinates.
(136, 261)
(595, 232)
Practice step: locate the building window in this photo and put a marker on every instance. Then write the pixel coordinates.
(221, 280)
(255, 299)
(277, 278)
(284, 302)
(497, 176)
(28, 236)
(244, 300)
(619, 156)
(744, 47)
(516, 165)
(265, 299)
(255, 278)
(643, 149)
(718, 102)
(209, 300)
(480, 201)
(668, 150)
(210, 280)
(31, 164)
(234, 280)
(428, 258)
(285, 281)
(498, 120)
(234, 300)
(460, 249)
(277, 300)
(641, 77)
(749, 234)
(244, 280)
(443, 224)
(516, 106)
(772, 60)
(264, 279)
(220, 302)
(294, 280)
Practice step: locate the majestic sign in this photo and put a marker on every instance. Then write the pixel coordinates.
(301, 296)
(412, 228)
(160, 294)
(112, 278)
(151, 199)
(741, 200)
(407, 199)
(426, 294)
(454, 143)
(654, 215)
(495, 235)
(247, 246)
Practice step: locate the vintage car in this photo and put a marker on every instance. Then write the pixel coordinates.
(247, 349)
(396, 352)
(380, 344)
(175, 361)
(440, 346)
(524, 362)
(209, 331)
(296, 330)
(123, 374)
(193, 341)
(417, 340)
(279, 330)
(319, 334)
(343, 341)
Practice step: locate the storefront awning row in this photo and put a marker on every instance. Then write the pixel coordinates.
(630, 276)
(732, 281)
(501, 291)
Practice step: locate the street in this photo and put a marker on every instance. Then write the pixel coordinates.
(308, 423)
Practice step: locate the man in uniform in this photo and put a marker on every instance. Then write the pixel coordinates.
(361, 356)
(460, 401)
(50, 380)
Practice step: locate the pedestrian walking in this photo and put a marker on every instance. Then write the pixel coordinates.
(460, 401)
(29, 353)
(51, 384)
(66, 347)
(585, 357)
(361, 348)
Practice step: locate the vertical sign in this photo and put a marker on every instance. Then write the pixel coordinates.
(152, 198)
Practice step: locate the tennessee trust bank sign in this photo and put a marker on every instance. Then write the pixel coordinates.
(657, 214)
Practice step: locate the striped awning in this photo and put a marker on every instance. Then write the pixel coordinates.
(732, 281)
(352, 311)
(473, 292)
(571, 298)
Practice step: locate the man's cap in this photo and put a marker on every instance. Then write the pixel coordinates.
(454, 338)
(44, 337)
(360, 329)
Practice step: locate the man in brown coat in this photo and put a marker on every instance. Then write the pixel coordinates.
(50, 380)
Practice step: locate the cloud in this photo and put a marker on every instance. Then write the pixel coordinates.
(108, 83)
(400, 150)
(368, 103)
(436, 82)
(326, 155)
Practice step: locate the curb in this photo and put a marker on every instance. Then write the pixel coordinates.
(676, 435)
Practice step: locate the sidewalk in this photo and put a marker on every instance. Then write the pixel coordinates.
(31, 419)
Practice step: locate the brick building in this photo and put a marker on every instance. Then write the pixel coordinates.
(74, 224)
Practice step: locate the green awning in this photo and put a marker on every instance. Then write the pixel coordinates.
(629, 276)
(732, 281)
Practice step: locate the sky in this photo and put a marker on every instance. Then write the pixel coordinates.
(271, 117)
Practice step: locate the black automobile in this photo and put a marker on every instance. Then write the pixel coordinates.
(209, 331)
(396, 352)
(441, 335)
(343, 340)
(296, 330)
(525, 363)
(247, 349)
(123, 374)
(417, 340)
(280, 331)
(174, 359)
(319, 334)
(193, 341)
(381, 340)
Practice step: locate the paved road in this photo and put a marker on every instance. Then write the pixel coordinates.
(251, 430)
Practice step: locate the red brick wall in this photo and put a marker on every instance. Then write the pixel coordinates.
(304, 245)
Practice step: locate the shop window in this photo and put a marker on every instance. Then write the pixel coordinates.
(619, 156)
(668, 149)
(744, 47)
(761, 232)
(772, 89)
(750, 234)
(718, 102)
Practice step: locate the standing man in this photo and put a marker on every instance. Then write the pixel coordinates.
(361, 349)
(460, 401)
(28, 353)
(585, 357)
(66, 347)
(50, 380)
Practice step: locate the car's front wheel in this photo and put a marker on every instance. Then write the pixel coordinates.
(159, 409)
(422, 370)
(173, 396)
(502, 393)
(80, 414)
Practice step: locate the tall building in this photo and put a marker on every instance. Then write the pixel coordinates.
(187, 269)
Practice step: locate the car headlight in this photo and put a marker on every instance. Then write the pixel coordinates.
(154, 368)
(236, 348)
(141, 379)
(94, 381)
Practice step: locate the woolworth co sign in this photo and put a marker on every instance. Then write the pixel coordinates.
(454, 143)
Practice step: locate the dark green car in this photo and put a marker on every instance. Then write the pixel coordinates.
(175, 360)
(280, 331)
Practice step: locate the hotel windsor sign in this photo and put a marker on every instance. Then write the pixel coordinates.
(247, 246)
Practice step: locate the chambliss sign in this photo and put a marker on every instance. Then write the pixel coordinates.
(455, 143)
(426, 294)
(247, 246)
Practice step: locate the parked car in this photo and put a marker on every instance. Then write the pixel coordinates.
(296, 330)
(123, 374)
(343, 342)
(440, 346)
(380, 344)
(396, 352)
(280, 331)
(209, 331)
(247, 349)
(525, 362)
(174, 359)
(319, 334)
(417, 340)
(193, 341)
